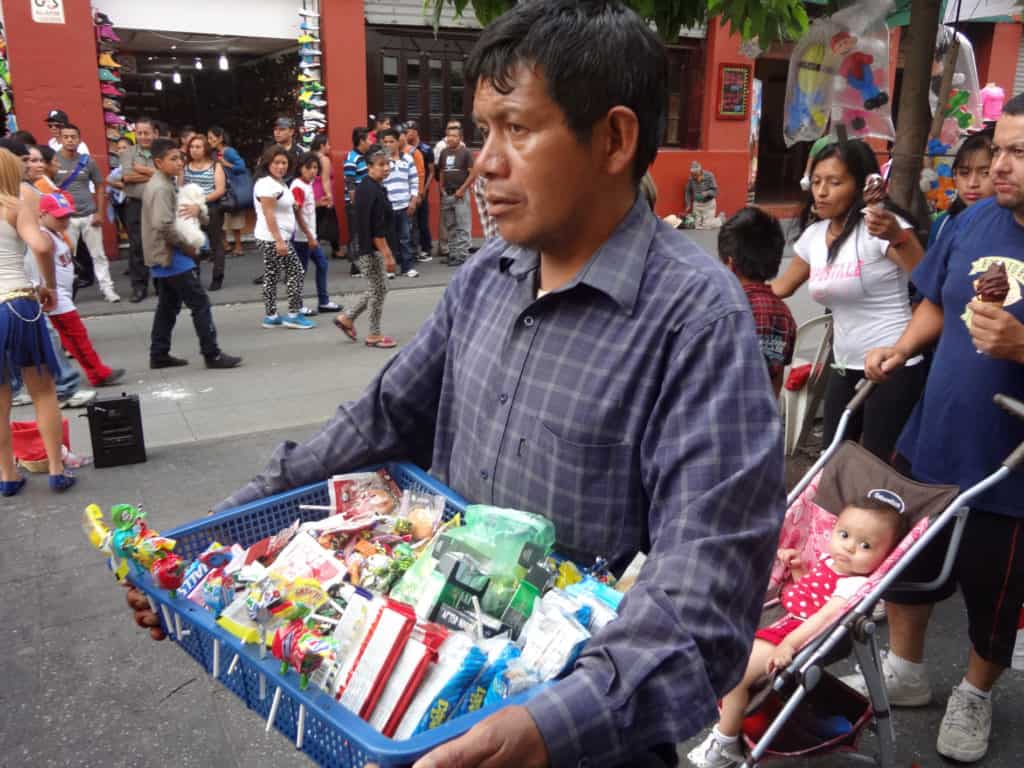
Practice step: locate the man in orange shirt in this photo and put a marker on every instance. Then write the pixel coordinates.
(413, 152)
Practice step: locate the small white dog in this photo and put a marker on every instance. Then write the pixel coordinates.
(189, 229)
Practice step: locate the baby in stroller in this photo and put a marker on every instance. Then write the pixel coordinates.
(865, 532)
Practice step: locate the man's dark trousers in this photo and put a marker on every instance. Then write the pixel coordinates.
(183, 288)
(136, 264)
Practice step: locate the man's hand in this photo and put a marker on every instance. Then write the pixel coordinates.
(997, 333)
(880, 362)
(189, 210)
(144, 615)
(507, 738)
(97, 220)
(47, 298)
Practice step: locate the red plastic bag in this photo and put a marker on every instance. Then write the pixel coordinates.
(28, 443)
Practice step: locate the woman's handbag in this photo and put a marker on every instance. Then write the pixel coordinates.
(238, 196)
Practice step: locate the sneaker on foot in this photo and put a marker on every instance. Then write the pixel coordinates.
(111, 297)
(22, 398)
(272, 321)
(425, 258)
(298, 322)
(115, 375)
(713, 753)
(965, 728)
(223, 361)
(391, 275)
(330, 306)
(80, 399)
(167, 361)
(411, 273)
(307, 311)
(903, 690)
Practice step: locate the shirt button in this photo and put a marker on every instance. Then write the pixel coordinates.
(502, 398)
(528, 321)
(483, 474)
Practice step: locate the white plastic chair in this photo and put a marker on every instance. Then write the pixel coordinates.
(813, 346)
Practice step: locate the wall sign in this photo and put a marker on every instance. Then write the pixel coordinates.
(733, 91)
(47, 11)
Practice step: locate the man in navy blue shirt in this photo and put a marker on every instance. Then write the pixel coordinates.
(958, 435)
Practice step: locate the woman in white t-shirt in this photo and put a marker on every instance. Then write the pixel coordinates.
(857, 262)
(275, 226)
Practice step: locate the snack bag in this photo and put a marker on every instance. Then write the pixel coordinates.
(552, 640)
(515, 678)
(500, 651)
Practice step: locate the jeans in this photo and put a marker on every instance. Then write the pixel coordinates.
(320, 260)
(81, 228)
(422, 222)
(174, 291)
(67, 380)
(401, 245)
(457, 218)
(136, 263)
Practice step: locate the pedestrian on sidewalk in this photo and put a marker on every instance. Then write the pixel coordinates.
(402, 184)
(24, 343)
(327, 229)
(455, 172)
(137, 165)
(372, 217)
(203, 170)
(173, 265)
(56, 212)
(412, 152)
(237, 177)
(422, 219)
(305, 242)
(442, 231)
(76, 173)
(275, 227)
(355, 172)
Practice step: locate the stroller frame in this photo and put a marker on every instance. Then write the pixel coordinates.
(804, 673)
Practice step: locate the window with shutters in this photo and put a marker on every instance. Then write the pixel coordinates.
(685, 95)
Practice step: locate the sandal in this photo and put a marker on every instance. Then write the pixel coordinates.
(349, 330)
(384, 342)
(60, 483)
(11, 487)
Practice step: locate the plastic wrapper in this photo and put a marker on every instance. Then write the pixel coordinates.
(423, 512)
(963, 107)
(809, 85)
(364, 494)
(500, 651)
(377, 656)
(602, 600)
(458, 664)
(552, 640)
(516, 677)
(419, 653)
(302, 649)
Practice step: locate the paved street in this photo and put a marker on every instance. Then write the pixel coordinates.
(85, 687)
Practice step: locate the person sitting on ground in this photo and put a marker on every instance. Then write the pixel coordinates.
(751, 245)
(172, 264)
(55, 211)
(865, 532)
(700, 197)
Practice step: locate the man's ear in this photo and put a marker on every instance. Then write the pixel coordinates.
(617, 139)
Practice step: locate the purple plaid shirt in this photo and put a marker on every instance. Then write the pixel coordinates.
(633, 408)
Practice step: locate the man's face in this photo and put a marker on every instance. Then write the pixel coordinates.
(54, 130)
(364, 144)
(171, 163)
(144, 135)
(69, 140)
(378, 169)
(390, 144)
(529, 152)
(34, 165)
(1008, 163)
(283, 136)
(697, 174)
(412, 137)
(452, 138)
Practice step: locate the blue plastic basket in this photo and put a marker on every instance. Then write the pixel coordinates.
(332, 736)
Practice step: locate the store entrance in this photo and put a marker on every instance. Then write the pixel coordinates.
(183, 79)
(779, 167)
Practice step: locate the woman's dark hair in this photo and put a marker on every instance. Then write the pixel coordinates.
(220, 133)
(308, 158)
(47, 152)
(27, 138)
(578, 45)
(318, 142)
(271, 152)
(860, 162)
(752, 241)
(977, 143)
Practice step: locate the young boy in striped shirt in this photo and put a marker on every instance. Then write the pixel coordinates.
(403, 187)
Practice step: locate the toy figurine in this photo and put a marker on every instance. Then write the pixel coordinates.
(856, 68)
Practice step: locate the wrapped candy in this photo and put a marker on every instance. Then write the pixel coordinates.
(217, 591)
(168, 572)
(302, 649)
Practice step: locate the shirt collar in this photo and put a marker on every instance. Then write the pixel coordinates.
(616, 268)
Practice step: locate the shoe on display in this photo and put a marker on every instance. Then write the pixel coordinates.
(310, 25)
(307, 13)
(297, 322)
(304, 78)
(106, 32)
(111, 90)
(965, 728)
(106, 60)
(310, 50)
(113, 134)
(80, 399)
(111, 119)
(306, 39)
(313, 114)
(713, 753)
(166, 361)
(902, 689)
(106, 76)
(272, 321)
(110, 105)
(223, 361)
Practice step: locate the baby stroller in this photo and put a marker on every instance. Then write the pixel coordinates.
(804, 711)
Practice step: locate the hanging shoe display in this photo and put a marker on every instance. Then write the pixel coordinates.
(312, 94)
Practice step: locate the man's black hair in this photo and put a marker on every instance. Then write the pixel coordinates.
(358, 134)
(387, 132)
(752, 241)
(593, 54)
(27, 138)
(1015, 106)
(13, 146)
(147, 120)
(375, 150)
(161, 147)
(70, 127)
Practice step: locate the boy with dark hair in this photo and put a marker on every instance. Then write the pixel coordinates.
(751, 244)
(172, 264)
(403, 186)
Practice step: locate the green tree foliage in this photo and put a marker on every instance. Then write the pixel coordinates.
(767, 20)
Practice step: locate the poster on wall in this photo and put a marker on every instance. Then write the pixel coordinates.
(47, 11)
(733, 91)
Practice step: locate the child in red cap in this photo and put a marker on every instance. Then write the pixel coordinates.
(54, 210)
